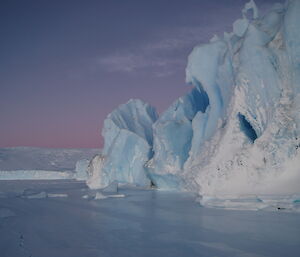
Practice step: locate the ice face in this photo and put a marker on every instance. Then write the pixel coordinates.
(252, 144)
(135, 116)
(96, 178)
(126, 159)
(173, 134)
(209, 69)
(128, 143)
(292, 39)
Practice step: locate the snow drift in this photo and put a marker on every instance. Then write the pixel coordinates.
(236, 132)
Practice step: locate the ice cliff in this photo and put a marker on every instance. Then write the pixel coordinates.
(236, 133)
(252, 145)
(173, 133)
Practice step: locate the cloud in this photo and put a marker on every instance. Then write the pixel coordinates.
(139, 61)
(125, 62)
(180, 38)
(163, 56)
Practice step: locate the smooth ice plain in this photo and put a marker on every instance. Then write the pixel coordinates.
(143, 223)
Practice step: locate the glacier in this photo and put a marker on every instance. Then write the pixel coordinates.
(235, 134)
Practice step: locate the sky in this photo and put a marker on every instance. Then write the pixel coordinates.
(66, 64)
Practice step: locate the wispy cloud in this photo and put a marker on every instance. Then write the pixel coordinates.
(138, 61)
(162, 57)
(180, 38)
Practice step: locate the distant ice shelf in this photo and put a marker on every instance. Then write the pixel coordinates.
(44, 163)
(35, 175)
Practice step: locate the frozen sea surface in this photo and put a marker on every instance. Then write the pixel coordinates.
(143, 223)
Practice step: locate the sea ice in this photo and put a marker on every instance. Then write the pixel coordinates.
(5, 213)
(39, 195)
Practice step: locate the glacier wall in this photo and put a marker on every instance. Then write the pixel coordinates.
(254, 147)
(235, 133)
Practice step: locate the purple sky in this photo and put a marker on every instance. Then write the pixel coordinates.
(65, 64)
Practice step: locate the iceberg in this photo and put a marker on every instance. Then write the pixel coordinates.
(128, 141)
(235, 133)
